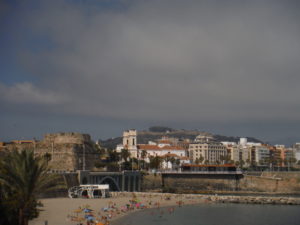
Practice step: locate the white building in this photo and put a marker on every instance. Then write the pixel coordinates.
(262, 153)
(172, 156)
(238, 152)
(168, 164)
(129, 142)
(243, 141)
(156, 150)
(210, 152)
(296, 149)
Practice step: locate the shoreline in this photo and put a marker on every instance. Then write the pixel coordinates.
(61, 210)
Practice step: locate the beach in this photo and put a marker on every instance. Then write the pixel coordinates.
(66, 211)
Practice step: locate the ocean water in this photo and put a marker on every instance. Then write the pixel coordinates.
(216, 214)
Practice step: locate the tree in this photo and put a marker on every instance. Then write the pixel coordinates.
(177, 162)
(126, 165)
(125, 154)
(230, 161)
(113, 156)
(100, 164)
(248, 162)
(292, 160)
(222, 159)
(242, 163)
(48, 156)
(143, 156)
(155, 162)
(22, 178)
(201, 159)
(100, 151)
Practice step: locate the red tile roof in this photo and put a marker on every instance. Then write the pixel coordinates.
(196, 165)
(170, 155)
(156, 147)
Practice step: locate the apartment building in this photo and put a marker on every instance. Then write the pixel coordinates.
(210, 152)
(260, 155)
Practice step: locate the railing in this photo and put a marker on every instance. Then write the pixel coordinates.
(202, 172)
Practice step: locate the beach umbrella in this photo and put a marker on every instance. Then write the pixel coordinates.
(88, 215)
(78, 219)
(77, 211)
(90, 218)
(87, 210)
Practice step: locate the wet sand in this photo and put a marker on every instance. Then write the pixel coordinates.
(61, 211)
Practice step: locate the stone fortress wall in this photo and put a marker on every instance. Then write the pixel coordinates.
(66, 151)
(69, 151)
(67, 138)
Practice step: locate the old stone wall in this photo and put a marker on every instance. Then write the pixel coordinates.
(67, 138)
(259, 184)
(194, 184)
(151, 182)
(65, 151)
(279, 182)
(68, 151)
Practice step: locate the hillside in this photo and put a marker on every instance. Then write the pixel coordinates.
(155, 133)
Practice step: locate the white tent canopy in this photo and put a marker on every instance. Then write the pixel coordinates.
(89, 191)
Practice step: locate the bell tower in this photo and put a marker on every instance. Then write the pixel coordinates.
(130, 139)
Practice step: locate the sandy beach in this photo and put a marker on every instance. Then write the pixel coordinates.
(65, 211)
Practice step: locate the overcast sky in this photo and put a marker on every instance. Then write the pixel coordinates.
(99, 67)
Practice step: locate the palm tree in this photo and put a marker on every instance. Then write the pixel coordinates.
(125, 154)
(222, 159)
(155, 162)
(201, 159)
(143, 156)
(22, 178)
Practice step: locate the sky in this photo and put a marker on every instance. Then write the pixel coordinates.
(103, 66)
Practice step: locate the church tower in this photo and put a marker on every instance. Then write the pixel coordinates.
(130, 139)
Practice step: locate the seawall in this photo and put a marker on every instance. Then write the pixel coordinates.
(266, 182)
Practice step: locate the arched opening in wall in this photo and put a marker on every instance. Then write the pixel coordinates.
(84, 180)
(97, 194)
(113, 186)
(84, 194)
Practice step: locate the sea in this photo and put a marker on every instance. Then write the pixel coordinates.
(216, 214)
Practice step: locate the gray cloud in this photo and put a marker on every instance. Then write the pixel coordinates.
(23, 93)
(164, 60)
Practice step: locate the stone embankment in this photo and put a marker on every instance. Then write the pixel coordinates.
(217, 198)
